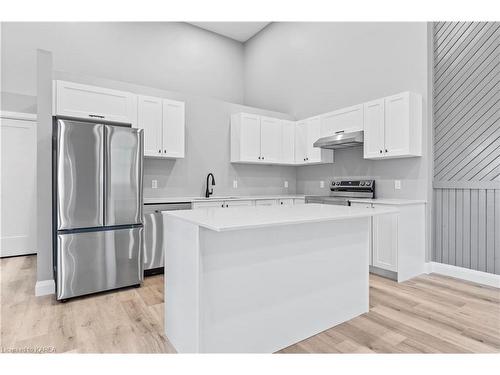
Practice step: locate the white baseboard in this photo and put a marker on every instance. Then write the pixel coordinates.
(45, 287)
(464, 274)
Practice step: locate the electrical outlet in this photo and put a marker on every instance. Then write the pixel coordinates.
(397, 184)
(286, 184)
(322, 184)
(235, 184)
(154, 184)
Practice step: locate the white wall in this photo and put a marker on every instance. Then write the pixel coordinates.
(310, 68)
(168, 55)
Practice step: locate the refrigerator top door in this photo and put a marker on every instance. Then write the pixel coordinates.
(80, 174)
(123, 175)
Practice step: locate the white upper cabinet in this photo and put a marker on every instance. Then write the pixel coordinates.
(163, 123)
(270, 139)
(245, 138)
(393, 127)
(149, 118)
(288, 142)
(342, 120)
(91, 102)
(173, 128)
(374, 128)
(307, 132)
(301, 142)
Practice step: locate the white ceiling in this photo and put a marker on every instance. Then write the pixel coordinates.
(240, 31)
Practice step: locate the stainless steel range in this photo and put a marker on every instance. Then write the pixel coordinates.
(341, 191)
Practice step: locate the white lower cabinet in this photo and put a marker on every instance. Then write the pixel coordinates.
(398, 240)
(223, 204)
(286, 202)
(248, 202)
(385, 242)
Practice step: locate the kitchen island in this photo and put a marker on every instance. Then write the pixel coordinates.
(258, 279)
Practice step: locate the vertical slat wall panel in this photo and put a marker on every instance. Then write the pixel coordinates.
(466, 230)
(466, 121)
(490, 231)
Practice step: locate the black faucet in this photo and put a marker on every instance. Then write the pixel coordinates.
(209, 192)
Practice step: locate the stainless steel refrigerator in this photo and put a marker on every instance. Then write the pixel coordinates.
(97, 213)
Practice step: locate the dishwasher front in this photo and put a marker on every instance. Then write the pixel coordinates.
(153, 255)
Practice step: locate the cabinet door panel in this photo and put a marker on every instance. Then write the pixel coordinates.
(173, 128)
(385, 241)
(300, 142)
(397, 125)
(313, 134)
(347, 119)
(84, 101)
(270, 139)
(374, 129)
(288, 142)
(250, 137)
(149, 118)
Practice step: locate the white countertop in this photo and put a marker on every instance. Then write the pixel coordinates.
(389, 201)
(223, 219)
(221, 198)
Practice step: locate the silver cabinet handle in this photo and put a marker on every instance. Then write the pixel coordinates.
(96, 116)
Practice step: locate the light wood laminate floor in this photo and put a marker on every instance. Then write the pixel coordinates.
(428, 314)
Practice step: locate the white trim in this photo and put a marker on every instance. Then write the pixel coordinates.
(18, 115)
(464, 274)
(45, 287)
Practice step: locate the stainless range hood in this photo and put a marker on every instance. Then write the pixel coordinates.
(341, 139)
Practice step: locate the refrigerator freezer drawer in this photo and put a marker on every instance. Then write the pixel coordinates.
(89, 262)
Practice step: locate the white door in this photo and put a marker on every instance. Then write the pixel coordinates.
(385, 241)
(18, 187)
(346, 119)
(84, 101)
(300, 142)
(270, 139)
(150, 118)
(288, 142)
(397, 124)
(229, 204)
(313, 134)
(374, 129)
(250, 137)
(173, 128)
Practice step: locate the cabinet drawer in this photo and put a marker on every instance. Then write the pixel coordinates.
(266, 202)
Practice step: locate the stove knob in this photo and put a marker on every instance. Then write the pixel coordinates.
(368, 183)
(338, 183)
(362, 183)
